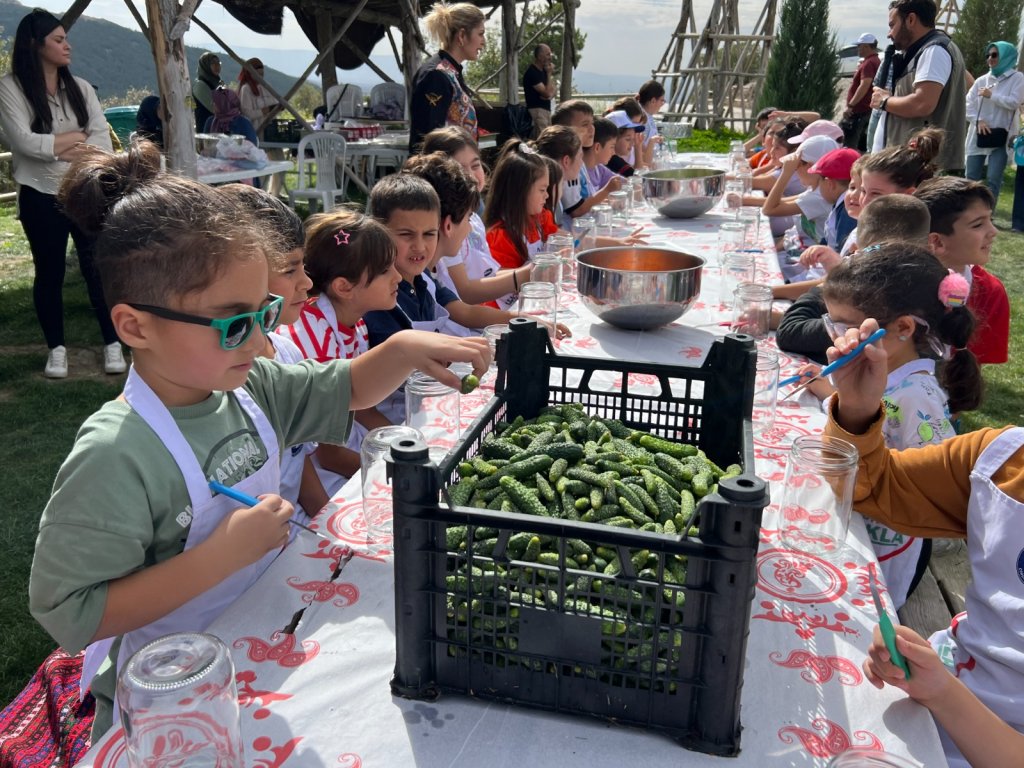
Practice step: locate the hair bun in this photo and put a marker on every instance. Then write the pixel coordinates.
(98, 180)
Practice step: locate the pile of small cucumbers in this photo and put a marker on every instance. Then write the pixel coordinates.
(567, 464)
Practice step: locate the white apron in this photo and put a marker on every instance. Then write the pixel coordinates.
(985, 644)
(208, 511)
(393, 407)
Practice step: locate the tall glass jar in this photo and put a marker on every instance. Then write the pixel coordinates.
(539, 301)
(814, 513)
(434, 409)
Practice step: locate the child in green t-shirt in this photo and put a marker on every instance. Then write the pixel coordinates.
(133, 545)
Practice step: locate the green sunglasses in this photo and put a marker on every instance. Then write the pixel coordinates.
(233, 330)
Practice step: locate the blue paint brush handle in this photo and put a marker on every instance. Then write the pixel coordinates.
(231, 493)
(252, 501)
(835, 366)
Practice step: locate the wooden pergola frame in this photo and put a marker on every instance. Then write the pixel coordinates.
(167, 21)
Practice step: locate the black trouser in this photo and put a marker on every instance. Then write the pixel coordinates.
(855, 130)
(47, 230)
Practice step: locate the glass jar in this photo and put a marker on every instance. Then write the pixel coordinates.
(766, 390)
(179, 705)
(539, 301)
(564, 247)
(817, 497)
(373, 451)
(547, 268)
(870, 758)
(752, 310)
(619, 202)
(434, 409)
(737, 268)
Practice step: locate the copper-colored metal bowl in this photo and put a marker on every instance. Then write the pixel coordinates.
(683, 193)
(638, 287)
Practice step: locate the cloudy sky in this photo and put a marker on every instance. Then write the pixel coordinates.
(637, 31)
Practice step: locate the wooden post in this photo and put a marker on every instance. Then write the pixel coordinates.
(411, 57)
(175, 88)
(568, 49)
(71, 15)
(324, 39)
(508, 88)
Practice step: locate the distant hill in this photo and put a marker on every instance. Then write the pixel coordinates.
(115, 59)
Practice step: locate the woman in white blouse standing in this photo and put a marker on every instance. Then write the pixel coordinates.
(992, 105)
(259, 105)
(47, 116)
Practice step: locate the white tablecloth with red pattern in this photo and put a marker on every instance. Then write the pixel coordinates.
(321, 696)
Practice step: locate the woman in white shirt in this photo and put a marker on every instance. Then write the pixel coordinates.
(259, 104)
(47, 116)
(992, 104)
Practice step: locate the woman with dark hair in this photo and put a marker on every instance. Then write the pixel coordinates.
(207, 81)
(149, 122)
(48, 115)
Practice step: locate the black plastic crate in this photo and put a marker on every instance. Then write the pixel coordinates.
(635, 647)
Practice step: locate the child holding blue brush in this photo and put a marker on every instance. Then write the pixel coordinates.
(969, 486)
(154, 551)
(930, 373)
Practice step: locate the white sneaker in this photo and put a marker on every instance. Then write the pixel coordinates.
(113, 359)
(57, 364)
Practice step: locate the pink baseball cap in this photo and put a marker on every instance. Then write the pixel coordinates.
(836, 164)
(819, 128)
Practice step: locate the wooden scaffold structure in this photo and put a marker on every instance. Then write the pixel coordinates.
(948, 16)
(724, 69)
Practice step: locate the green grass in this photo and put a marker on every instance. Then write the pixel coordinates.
(39, 418)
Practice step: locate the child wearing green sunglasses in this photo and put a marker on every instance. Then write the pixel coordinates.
(132, 544)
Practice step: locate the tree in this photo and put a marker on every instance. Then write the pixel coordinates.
(804, 66)
(982, 22)
(491, 60)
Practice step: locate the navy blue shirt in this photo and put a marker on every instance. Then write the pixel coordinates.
(415, 304)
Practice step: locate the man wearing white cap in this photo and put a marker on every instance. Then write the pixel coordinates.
(858, 97)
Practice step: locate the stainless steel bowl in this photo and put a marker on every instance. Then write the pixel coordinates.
(638, 287)
(683, 193)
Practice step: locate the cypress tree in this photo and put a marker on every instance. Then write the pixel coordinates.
(982, 22)
(804, 66)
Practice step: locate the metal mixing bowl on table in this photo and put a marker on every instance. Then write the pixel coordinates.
(638, 287)
(683, 193)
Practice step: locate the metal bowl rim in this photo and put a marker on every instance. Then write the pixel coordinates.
(701, 259)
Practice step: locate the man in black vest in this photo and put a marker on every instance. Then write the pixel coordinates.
(929, 89)
(539, 87)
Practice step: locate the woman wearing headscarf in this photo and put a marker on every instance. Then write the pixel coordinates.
(227, 116)
(207, 81)
(148, 121)
(992, 105)
(256, 101)
(440, 96)
(47, 116)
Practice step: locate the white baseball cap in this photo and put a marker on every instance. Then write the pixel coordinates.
(816, 147)
(867, 39)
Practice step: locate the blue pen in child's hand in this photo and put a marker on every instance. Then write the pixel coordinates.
(252, 501)
(834, 365)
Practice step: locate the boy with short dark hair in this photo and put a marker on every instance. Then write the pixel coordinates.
(578, 197)
(961, 238)
(423, 224)
(596, 157)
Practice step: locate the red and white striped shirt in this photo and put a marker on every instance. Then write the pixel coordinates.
(319, 336)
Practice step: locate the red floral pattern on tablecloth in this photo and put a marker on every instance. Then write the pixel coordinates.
(322, 591)
(819, 669)
(279, 753)
(826, 738)
(249, 696)
(281, 649)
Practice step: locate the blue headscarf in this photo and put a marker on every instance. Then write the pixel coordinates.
(1007, 57)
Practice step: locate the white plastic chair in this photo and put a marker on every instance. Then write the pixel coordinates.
(343, 100)
(382, 93)
(329, 161)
